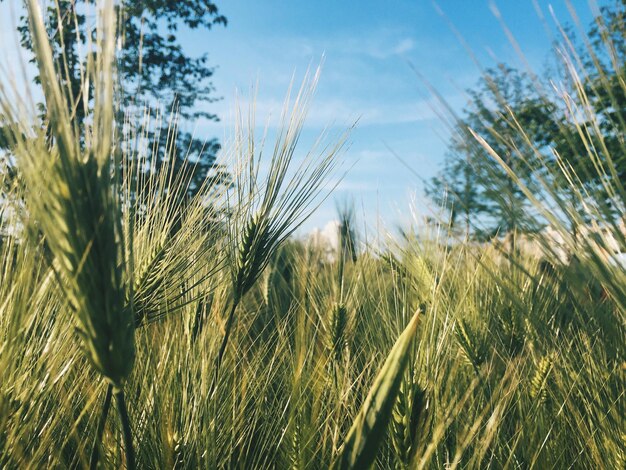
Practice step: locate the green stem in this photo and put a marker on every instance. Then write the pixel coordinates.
(128, 437)
(93, 460)
(222, 350)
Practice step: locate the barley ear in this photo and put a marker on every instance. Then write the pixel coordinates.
(471, 346)
(540, 381)
(409, 421)
(338, 332)
(360, 446)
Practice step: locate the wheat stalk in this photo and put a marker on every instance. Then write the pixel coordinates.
(267, 212)
(78, 210)
(361, 443)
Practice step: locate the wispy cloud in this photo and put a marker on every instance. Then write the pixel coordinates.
(405, 45)
(378, 45)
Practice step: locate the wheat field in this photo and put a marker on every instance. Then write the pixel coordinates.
(140, 328)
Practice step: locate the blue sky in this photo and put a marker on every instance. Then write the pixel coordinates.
(367, 47)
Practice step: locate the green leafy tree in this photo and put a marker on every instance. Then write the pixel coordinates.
(456, 188)
(153, 68)
(601, 128)
(520, 122)
(606, 86)
(476, 186)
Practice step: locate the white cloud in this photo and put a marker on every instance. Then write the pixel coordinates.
(380, 45)
(405, 45)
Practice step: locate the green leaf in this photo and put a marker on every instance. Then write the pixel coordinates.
(367, 432)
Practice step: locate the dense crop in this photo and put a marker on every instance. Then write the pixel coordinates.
(225, 343)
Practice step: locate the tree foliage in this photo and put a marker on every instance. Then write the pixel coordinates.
(604, 92)
(153, 69)
(534, 132)
(474, 186)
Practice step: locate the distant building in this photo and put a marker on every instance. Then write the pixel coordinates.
(326, 240)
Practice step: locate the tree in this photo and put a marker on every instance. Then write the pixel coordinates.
(153, 68)
(603, 97)
(521, 122)
(456, 189)
(476, 185)
(606, 85)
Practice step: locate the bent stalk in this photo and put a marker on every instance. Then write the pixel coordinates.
(95, 452)
(126, 431)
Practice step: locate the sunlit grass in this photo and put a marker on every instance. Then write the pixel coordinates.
(235, 346)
